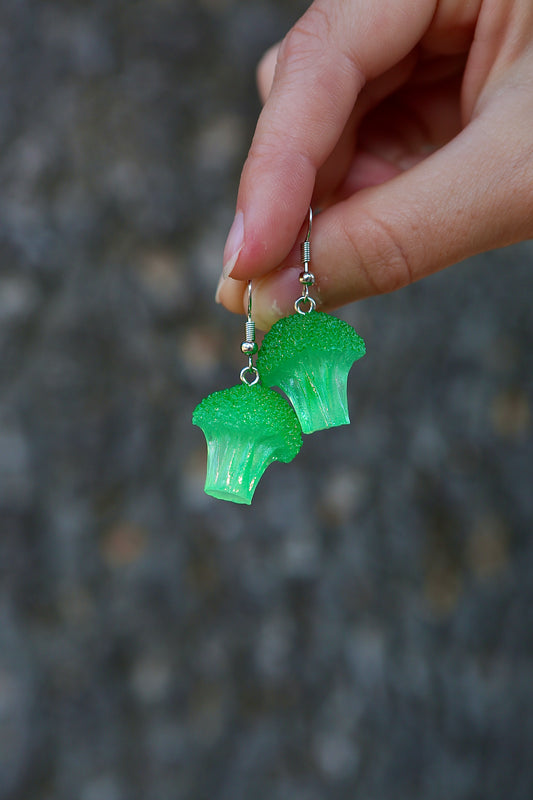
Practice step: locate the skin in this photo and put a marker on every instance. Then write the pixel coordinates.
(409, 124)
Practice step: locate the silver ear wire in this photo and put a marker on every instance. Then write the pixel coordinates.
(249, 346)
(306, 278)
(305, 247)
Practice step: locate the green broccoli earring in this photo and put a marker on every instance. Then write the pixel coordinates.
(309, 355)
(246, 427)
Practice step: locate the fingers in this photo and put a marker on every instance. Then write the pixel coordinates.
(333, 171)
(321, 67)
(446, 208)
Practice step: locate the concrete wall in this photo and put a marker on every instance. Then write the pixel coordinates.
(364, 631)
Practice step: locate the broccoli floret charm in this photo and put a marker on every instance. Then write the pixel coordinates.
(246, 427)
(309, 356)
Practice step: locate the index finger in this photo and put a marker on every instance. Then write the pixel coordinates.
(323, 63)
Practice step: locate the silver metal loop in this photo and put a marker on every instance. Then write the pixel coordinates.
(249, 369)
(304, 299)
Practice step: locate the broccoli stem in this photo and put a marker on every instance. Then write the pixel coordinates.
(234, 466)
(317, 390)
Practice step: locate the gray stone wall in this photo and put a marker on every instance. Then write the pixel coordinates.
(364, 630)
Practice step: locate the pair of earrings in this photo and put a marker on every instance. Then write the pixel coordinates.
(308, 356)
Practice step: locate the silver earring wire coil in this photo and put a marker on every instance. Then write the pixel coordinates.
(250, 330)
(305, 253)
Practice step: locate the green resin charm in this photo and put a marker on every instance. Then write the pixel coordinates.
(309, 357)
(246, 427)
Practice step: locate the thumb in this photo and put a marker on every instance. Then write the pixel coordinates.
(472, 195)
(322, 65)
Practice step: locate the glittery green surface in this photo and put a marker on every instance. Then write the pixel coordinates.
(246, 429)
(309, 357)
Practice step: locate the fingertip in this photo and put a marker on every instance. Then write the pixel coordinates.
(230, 294)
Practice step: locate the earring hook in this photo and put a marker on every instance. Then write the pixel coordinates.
(305, 303)
(309, 225)
(249, 374)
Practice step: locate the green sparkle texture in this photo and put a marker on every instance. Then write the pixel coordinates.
(309, 357)
(246, 429)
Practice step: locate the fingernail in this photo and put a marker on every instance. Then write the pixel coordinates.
(221, 282)
(234, 244)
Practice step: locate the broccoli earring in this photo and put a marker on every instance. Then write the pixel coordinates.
(309, 355)
(246, 427)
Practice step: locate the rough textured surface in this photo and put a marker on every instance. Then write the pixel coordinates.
(246, 427)
(364, 630)
(309, 357)
(299, 333)
(251, 407)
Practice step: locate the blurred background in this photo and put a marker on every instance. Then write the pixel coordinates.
(365, 629)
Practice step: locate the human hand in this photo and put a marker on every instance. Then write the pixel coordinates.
(410, 124)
